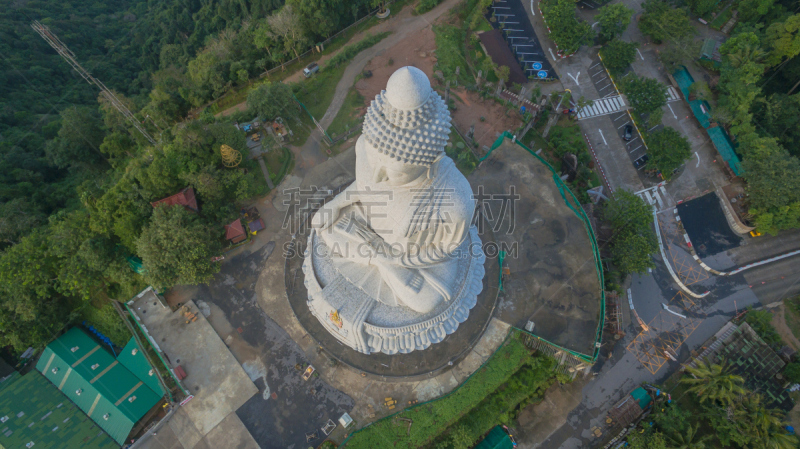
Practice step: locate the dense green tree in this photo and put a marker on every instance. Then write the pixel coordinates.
(773, 185)
(779, 116)
(653, 440)
(79, 139)
(566, 30)
(678, 52)
(634, 239)
(702, 8)
(783, 39)
(792, 372)
(18, 217)
(668, 149)
(271, 100)
(646, 95)
(661, 21)
(713, 382)
(618, 55)
(614, 19)
(750, 11)
(176, 247)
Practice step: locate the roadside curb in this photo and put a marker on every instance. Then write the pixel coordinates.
(732, 272)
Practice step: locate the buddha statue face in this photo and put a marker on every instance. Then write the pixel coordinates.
(388, 170)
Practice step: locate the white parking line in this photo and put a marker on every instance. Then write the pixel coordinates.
(501, 7)
(601, 79)
(652, 128)
(628, 123)
(521, 53)
(621, 116)
(551, 54)
(504, 15)
(640, 54)
(601, 135)
(601, 71)
(636, 148)
(532, 13)
(604, 88)
(595, 65)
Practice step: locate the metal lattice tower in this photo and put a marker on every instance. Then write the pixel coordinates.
(230, 157)
(68, 56)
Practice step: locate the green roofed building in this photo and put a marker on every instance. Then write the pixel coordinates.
(32, 410)
(114, 392)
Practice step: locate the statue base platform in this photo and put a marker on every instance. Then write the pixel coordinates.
(385, 346)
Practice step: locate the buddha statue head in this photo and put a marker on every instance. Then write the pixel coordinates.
(406, 128)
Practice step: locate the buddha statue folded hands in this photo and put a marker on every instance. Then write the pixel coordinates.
(394, 263)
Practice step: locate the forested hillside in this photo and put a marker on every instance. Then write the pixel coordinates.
(77, 180)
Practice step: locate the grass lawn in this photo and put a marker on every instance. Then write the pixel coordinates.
(432, 418)
(350, 115)
(106, 320)
(317, 92)
(450, 53)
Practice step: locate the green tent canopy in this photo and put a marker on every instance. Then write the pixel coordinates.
(496, 439)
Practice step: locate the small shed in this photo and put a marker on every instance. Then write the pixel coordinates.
(256, 225)
(235, 231)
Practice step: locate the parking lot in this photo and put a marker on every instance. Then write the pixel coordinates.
(522, 39)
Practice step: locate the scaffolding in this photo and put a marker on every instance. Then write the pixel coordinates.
(68, 56)
(613, 319)
(662, 339)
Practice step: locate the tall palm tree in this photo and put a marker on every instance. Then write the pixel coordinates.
(747, 53)
(713, 382)
(687, 439)
(764, 425)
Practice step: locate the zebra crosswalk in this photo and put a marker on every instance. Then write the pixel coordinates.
(657, 196)
(603, 106)
(672, 94)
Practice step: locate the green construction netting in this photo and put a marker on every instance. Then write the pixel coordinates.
(725, 148)
(496, 439)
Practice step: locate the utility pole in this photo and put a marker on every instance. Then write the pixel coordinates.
(68, 56)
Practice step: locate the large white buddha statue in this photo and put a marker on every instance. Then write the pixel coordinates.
(393, 262)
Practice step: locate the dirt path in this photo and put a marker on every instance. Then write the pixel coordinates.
(779, 321)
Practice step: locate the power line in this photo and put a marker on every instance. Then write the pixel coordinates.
(68, 56)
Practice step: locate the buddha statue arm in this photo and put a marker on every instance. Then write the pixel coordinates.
(329, 212)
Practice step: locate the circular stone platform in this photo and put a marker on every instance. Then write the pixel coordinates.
(415, 364)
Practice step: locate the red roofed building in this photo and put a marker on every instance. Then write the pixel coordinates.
(234, 231)
(185, 198)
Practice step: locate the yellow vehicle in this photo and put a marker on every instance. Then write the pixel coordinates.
(755, 233)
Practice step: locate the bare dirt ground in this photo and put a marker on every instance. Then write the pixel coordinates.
(418, 50)
(471, 108)
(779, 321)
